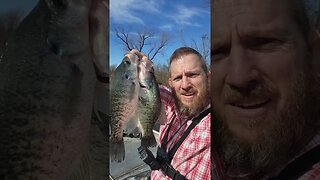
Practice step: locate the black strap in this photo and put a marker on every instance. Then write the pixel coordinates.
(195, 121)
(165, 159)
(301, 165)
(171, 172)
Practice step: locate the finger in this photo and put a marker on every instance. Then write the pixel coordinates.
(132, 56)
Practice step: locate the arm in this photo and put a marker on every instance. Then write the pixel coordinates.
(167, 101)
(166, 95)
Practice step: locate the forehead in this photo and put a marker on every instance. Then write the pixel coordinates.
(187, 62)
(254, 15)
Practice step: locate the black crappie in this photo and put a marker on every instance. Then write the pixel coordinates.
(149, 105)
(47, 89)
(124, 87)
(135, 102)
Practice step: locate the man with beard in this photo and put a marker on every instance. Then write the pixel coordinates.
(187, 105)
(265, 89)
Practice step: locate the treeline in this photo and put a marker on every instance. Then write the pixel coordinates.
(162, 73)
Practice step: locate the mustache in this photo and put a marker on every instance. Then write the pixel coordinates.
(260, 91)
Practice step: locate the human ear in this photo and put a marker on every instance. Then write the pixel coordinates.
(170, 82)
(209, 76)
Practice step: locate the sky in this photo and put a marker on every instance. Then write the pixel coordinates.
(190, 17)
(23, 6)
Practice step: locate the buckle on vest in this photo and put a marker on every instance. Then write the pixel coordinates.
(147, 157)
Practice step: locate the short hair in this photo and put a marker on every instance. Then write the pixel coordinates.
(306, 14)
(182, 51)
(299, 14)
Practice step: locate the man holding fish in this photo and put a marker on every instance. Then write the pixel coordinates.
(184, 141)
(184, 150)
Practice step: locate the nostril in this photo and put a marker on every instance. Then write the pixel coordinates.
(245, 88)
(186, 88)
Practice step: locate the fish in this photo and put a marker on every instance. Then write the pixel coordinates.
(124, 85)
(135, 103)
(48, 86)
(99, 128)
(149, 105)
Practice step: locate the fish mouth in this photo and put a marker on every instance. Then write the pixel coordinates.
(144, 85)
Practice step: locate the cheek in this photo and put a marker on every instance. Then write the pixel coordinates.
(278, 71)
(176, 87)
(201, 85)
(276, 67)
(218, 74)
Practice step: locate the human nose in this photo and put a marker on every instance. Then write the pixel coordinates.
(242, 75)
(185, 82)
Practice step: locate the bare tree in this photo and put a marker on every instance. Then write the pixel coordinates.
(201, 44)
(162, 73)
(144, 40)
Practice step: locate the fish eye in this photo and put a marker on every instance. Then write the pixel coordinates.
(127, 61)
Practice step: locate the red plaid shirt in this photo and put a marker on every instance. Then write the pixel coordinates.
(192, 159)
(312, 174)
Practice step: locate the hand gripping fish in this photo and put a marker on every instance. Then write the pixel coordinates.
(135, 102)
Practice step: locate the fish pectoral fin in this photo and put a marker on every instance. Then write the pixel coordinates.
(131, 126)
(143, 101)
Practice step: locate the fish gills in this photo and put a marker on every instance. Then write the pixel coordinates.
(149, 102)
(124, 98)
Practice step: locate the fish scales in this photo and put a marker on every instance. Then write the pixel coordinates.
(135, 102)
(47, 82)
(124, 98)
(149, 102)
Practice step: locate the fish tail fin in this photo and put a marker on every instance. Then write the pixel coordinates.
(117, 151)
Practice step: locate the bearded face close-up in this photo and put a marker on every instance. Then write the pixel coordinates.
(189, 84)
(263, 83)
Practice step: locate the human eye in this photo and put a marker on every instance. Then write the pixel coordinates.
(193, 75)
(219, 53)
(264, 43)
(177, 78)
